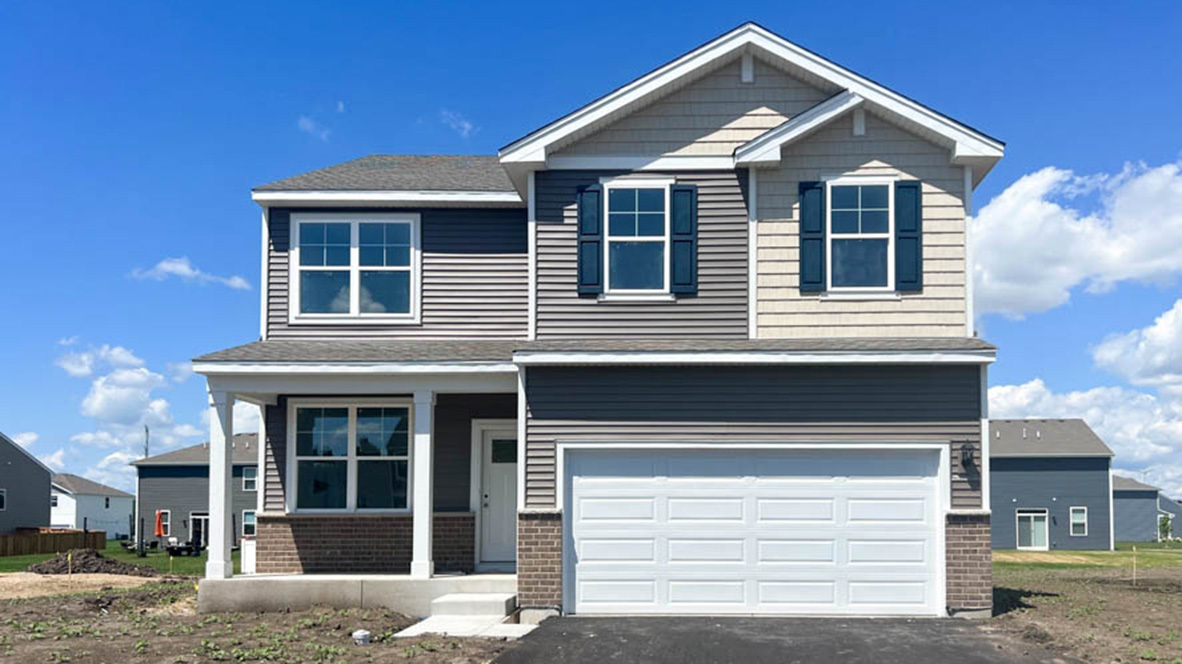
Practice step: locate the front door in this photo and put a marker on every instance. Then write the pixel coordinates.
(1032, 530)
(199, 529)
(498, 497)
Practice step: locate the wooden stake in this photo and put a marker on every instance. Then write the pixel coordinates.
(1134, 565)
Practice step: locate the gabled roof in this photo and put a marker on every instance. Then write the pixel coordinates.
(1122, 483)
(76, 485)
(968, 146)
(245, 453)
(765, 148)
(6, 440)
(1044, 438)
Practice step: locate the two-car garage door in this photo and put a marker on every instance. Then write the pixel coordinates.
(752, 531)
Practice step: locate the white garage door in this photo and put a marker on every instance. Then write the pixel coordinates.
(752, 531)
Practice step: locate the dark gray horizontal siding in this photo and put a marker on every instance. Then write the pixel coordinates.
(1056, 485)
(275, 459)
(1136, 516)
(706, 404)
(27, 487)
(183, 490)
(475, 279)
(718, 310)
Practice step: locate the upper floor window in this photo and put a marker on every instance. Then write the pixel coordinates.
(250, 478)
(861, 253)
(53, 500)
(637, 239)
(355, 267)
(106, 502)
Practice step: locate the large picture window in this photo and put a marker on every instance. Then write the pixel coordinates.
(637, 240)
(355, 267)
(354, 457)
(861, 255)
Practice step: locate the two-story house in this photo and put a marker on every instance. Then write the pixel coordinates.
(704, 345)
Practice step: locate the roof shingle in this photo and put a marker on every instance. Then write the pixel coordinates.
(246, 452)
(402, 173)
(1043, 438)
(80, 485)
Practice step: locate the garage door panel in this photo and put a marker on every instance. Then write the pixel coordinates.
(794, 595)
(705, 509)
(881, 509)
(796, 510)
(710, 551)
(871, 551)
(617, 549)
(805, 551)
(616, 509)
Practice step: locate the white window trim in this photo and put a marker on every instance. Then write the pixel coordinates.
(634, 182)
(242, 523)
(413, 317)
(1032, 511)
(166, 520)
(1071, 523)
(889, 235)
(351, 458)
(255, 478)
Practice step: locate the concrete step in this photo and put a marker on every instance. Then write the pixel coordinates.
(474, 604)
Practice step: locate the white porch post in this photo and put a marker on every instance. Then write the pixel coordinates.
(421, 564)
(221, 437)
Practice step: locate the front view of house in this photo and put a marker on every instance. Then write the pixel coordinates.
(704, 345)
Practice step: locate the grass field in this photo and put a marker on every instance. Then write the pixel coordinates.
(1149, 555)
(184, 566)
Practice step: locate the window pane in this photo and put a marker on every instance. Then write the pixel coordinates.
(381, 484)
(844, 198)
(1039, 524)
(313, 255)
(637, 265)
(248, 518)
(397, 233)
(398, 256)
(322, 432)
(336, 256)
(324, 292)
(845, 221)
(321, 484)
(874, 221)
(622, 224)
(874, 196)
(311, 234)
(336, 234)
(504, 451)
(382, 431)
(650, 224)
(371, 234)
(859, 263)
(372, 255)
(621, 200)
(385, 292)
(1025, 535)
(650, 200)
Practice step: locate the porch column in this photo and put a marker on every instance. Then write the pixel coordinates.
(421, 564)
(221, 529)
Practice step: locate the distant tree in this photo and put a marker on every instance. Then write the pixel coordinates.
(1163, 526)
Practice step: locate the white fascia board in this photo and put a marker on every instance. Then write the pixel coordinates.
(345, 198)
(641, 163)
(533, 147)
(528, 358)
(764, 150)
(320, 368)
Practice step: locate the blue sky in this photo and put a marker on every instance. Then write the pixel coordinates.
(133, 133)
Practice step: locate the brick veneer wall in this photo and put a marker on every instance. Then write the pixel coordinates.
(359, 544)
(539, 559)
(969, 563)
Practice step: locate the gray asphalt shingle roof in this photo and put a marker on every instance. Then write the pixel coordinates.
(292, 350)
(80, 485)
(1035, 438)
(1122, 483)
(402, 173)
(246, 452)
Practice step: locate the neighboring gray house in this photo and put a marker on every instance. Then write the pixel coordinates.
(704, 345)
(79, 503)
(1050, 483)
(177, 484)
(1138, 507)
(24, 488)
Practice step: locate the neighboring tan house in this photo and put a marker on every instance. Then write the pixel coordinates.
(77, 502)
(1050, 483)
(704, 345)
(24, 488)
(177, 484)
(1139, 507)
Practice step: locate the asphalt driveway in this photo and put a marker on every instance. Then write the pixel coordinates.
(780, 640)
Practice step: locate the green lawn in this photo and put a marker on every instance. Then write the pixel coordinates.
(184, 565)
(1149, 555)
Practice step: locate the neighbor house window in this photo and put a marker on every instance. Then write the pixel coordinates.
(352, 457)
(355, 266)
(3, 499)
(250, 478)
(637, 237)
(53, 500)
(860, 237)
(248, 523)
(1079, 521)
(1032, 529)
(166, 522)
(107, 502)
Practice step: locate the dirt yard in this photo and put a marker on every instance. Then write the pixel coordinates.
(159, 623)
(27, 584)
(1094, 614)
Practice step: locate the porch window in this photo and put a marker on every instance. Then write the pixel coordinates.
(352, 457)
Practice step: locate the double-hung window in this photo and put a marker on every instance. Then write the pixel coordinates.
(249, 523)
(351, 457)
(250, 478)
(355, 267)
(166, 522)
(1079, 522)
(637, 239)
(861, 234)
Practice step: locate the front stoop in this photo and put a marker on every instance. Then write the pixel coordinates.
(471, 614)
(474, 604)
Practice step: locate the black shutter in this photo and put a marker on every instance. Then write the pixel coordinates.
(908, 237)
(590, 243)
(812, 237)
(683, 239)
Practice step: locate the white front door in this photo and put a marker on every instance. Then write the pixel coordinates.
(498, 497)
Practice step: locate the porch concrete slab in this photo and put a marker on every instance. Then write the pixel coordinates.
(474, 625)
(474, 604)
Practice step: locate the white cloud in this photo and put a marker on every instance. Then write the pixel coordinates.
(25, 438)
(122, 396)
(55, 461)
(68, 341)
(183, 269)
(1035, 243)
(114, 470)
(313, 128)
(83, 363)
(457, 123)
(246, 418)
(76, 364)
(1150, 355)
(179, 372)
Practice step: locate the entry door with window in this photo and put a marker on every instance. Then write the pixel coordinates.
(1032, 530)
(199, 528)
(498, 497)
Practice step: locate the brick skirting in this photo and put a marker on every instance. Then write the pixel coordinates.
(969, 563)
(359, 544)
(539, 559)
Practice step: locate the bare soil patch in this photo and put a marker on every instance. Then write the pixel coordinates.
(159, 623)
(26, 584)
(89, 561)
(1096, 615)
